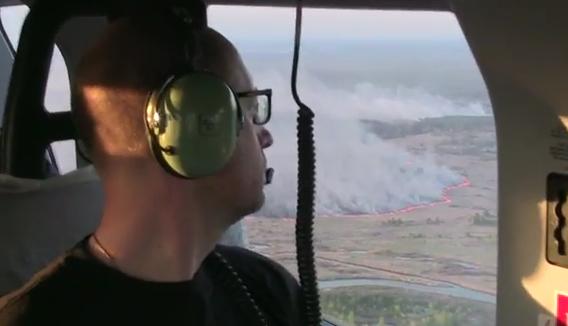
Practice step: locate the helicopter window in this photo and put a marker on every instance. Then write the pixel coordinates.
(65, 156)
(406, 227)
(57, 97)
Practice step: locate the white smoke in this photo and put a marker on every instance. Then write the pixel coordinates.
(357, 172)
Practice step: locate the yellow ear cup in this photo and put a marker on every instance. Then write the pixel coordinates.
(193, 124)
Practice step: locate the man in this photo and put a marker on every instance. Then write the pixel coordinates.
(153, 260)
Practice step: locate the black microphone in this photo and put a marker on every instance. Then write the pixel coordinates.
(268, 176)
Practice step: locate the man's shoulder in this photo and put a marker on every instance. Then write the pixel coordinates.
(276, 289)
(14, 304)
(259, 269)
(248, 261)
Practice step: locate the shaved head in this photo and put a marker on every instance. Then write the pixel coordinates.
(134, 56)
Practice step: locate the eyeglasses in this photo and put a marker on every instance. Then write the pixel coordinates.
(259, 103)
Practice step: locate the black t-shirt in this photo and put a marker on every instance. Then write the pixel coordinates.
(80, 290)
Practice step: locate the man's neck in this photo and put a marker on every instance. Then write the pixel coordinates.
(153, 245)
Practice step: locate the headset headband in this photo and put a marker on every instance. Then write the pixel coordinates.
(186, 25)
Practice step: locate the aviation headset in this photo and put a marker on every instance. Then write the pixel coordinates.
(193, 119)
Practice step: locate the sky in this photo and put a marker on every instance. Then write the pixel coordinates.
(334, 23)
(317, 23)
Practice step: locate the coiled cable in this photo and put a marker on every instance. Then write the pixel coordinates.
(306, 192)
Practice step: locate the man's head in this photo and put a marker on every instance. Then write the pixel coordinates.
(133, 57)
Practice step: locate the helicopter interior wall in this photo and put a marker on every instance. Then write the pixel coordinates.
(521, 52)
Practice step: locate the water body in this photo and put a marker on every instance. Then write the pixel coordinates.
(446, 289)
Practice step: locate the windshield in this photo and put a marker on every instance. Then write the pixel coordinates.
(406, 227)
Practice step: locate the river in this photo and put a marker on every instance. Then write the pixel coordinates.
(447, 289)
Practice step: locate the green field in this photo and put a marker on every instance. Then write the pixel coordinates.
(389, 307)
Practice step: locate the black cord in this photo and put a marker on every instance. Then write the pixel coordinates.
(229, 279)
(306, 192)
